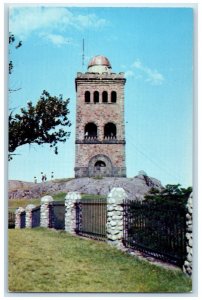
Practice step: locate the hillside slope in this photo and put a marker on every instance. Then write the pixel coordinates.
(134, 187)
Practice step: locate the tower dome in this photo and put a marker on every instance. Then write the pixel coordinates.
(99, 64)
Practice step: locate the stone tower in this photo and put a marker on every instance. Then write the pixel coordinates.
(100, 130)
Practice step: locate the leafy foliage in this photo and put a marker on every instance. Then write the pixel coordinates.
(37, 124)
(18, 45)
(172, 193)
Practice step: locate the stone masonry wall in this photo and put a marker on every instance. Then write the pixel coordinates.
(115, 216)
(100, 114)
(28, 210)
(44, 212)
(70, 211)
(187, 267)
(18, 217)
(113, 151)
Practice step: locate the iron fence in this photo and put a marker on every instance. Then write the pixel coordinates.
(22, 219)
(91, 218)
(156, 229)
(11, 219)
(57, 215)
(36, 216)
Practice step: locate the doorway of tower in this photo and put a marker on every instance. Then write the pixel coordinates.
(100, 165)
(100, 168)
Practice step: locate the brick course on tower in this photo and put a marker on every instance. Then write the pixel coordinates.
(100, 130)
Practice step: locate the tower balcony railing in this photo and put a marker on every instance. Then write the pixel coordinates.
(96, 140)
(90, 138)
(110, 137)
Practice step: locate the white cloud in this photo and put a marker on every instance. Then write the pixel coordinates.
(56, 39)
(137, 64)
(23, 21)
(129, 73)
(90, 20)
(152, 76)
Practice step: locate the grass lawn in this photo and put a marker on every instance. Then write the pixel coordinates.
(42, 260)
(15, 203)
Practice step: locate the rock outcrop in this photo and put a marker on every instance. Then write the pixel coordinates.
(134, 187)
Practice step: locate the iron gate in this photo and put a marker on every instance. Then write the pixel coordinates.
(91, 217)
(11, 219)
(57, 215)
(156, 229)
(36, 216)
(22, 219)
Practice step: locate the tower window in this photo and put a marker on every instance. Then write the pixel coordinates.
(110, 131)
(113, 97)
(87, 97)
(90, 131)
(104, 97)
(96, 97)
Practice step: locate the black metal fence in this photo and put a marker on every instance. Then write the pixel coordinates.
(91, 218)
(36, 216)
(57, 215)
(156, 229)
(22, 219)
(11, 219)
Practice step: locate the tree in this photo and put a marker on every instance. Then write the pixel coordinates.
(172, 193)
(42, 123)
(12, 44)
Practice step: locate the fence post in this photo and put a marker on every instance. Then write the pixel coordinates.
(28, 219)
(70, 211)
(18, 217)
(45, 211)
(187, 267)
(115, 216)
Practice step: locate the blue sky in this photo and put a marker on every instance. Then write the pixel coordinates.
(153, 46)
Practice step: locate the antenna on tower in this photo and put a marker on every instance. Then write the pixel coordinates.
(83, 54)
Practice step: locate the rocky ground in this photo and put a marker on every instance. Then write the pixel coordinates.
(135, 187)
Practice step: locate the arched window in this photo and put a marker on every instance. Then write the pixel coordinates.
(90, 131)
(96, 97)
(113, 97)
(87, 97)
(110, 131)
(104, 97)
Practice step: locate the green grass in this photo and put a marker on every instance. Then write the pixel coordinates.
(42, 260)
(59, 197)
(15, 203)
(90, 196)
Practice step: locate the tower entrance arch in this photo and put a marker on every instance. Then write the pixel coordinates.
(100, 165)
